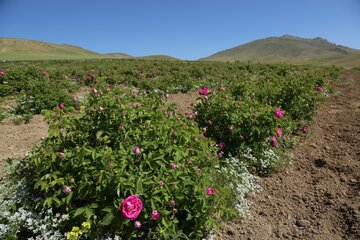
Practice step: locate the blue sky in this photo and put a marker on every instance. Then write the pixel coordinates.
(187, 29)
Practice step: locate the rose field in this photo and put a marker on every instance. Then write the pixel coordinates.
(123, 160)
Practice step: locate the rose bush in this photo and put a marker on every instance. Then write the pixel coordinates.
(145, 179)
(259, 114)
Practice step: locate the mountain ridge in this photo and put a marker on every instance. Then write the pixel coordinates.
(286, 48)
(291, 49)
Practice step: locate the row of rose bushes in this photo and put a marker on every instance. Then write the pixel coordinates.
(41, 85)
(260, 114)
(123, 166)
(35, 90)
(168, 76)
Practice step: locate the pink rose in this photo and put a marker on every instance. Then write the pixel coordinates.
(172, 202)
(94, 90)
(161, 183)
(136, 150)
(279, 132)
(204, 91)
(273, 141)
(45, 73)
(305, 128)
(62, 105)
(191, 115)
(155, 215)
(210, 191)
(131, 207)
(319, 88)
(2, 72)
(173, 165)
(221, 145)
(62, 154)
(137, 224)
(67, 189)
(231, 128)
(110, 165)
(279, 113)
(241, 138)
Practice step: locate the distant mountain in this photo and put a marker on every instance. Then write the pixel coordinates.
(159, 57)
(290, 49)
(119, 55)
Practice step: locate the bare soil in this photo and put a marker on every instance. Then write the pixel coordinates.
(16, 140)
(318, 196)
(183, 101)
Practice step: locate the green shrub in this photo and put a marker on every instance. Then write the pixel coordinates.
(125, 146)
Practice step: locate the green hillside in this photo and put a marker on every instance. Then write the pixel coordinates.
(21, 49)
(291, 49)
(159, 57)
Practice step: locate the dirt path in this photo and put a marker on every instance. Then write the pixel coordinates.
(318, 196)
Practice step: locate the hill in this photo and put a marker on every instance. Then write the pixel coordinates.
(22, 49)
(119, 55)
(291, 49)
(158, 57)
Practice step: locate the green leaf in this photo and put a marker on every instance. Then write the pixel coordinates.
(79, 211)
(68, 198)
(109, 217)
(48, 202)
(88, 212)
(94, 205)
(108, 209)
(98, 134)
(55, 199)
(139, 187)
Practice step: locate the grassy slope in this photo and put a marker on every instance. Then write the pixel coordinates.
(158, 57)
(21, 49)
(292, 50)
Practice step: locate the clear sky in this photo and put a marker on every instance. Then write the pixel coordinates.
(187, 29)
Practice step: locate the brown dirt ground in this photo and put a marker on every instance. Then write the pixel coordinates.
(318, 196)
(183, 101)
(16, 140)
